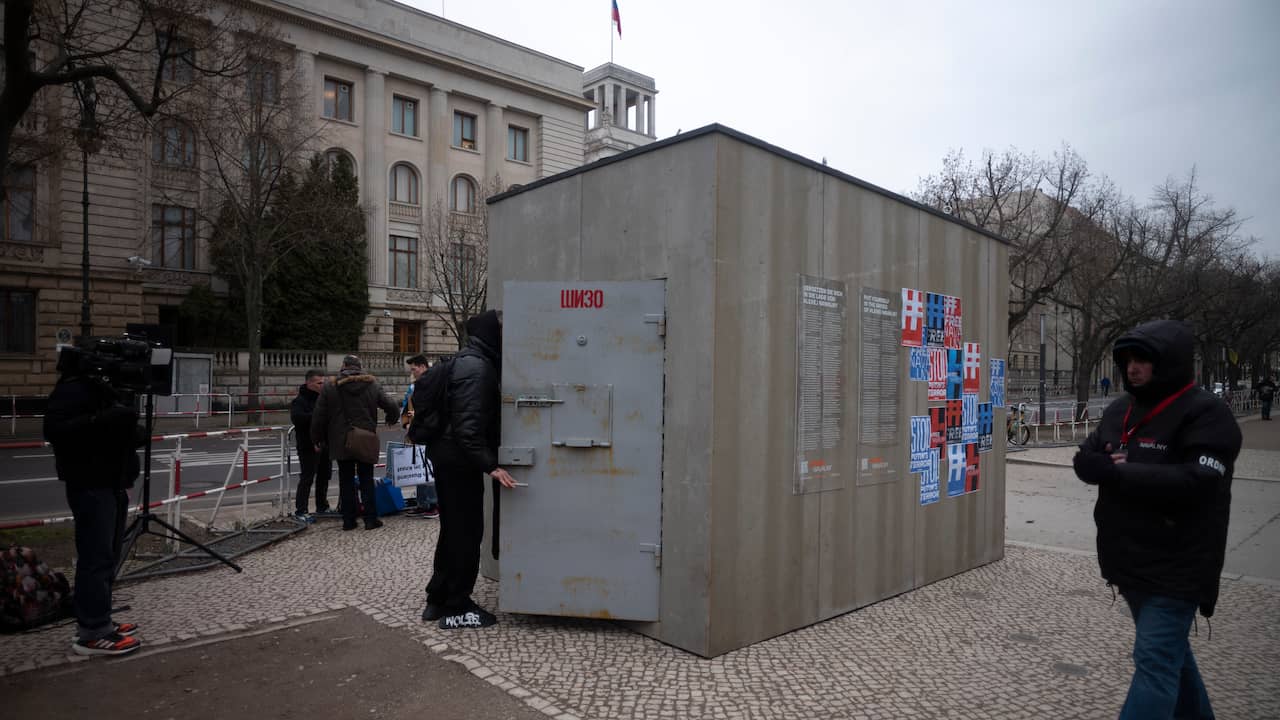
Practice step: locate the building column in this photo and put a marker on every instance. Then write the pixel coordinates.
(609, 97)
(650, 128)
(439, 137)
(640, 125)
(307, 80)
(496, 152)
(373, 180)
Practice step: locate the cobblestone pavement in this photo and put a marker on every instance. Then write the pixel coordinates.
(1034, 635)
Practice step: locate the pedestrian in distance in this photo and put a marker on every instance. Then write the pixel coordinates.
(1105, 384)
(1162, 457)
(426, 506)
(351, 400)
(95, 437)
(463, 454)
(1266, 395)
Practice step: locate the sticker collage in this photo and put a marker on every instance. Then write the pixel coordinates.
(958, 429)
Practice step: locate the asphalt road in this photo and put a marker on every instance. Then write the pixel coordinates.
(29, 486)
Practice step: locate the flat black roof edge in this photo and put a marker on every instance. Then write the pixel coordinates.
(767, 147)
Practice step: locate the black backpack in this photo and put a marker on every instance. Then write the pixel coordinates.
(431, 403)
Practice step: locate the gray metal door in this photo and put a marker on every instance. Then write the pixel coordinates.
(582, 386)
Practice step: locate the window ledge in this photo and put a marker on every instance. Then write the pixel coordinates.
(402, 135)
(465, 150)
(520, 162)
(340, 121)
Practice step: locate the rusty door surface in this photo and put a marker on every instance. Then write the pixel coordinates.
(582, 385)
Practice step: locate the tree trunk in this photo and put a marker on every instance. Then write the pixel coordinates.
(253, 324)
(1087, 360)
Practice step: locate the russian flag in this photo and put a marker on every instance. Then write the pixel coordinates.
(617, 17)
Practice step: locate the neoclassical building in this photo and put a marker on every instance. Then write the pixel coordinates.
(427, 111)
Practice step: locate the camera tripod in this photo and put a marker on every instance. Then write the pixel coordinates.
(142, 523)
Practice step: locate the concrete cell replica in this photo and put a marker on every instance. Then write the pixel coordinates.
(776, 398)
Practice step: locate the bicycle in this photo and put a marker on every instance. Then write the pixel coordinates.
(1016, 425)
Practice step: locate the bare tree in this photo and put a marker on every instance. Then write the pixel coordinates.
(144, 53)
(1162, 260)
(1044, 208)
(457, 251)
(257, 137)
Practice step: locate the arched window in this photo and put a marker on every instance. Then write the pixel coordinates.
(174, 143)
(404, 184)
(462, 195)
(333, 156)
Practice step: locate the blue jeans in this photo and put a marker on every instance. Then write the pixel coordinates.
(1166, 682)
(99, 515)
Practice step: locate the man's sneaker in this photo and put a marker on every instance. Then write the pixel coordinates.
(113, 644)
(432, 612)
(431, 513)
(126, 629)
(473, 617)
(302, 516)
(415, 511)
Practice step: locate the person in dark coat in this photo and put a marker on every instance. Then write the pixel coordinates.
(313, 458)
(467, 450)
(1162, 457)
(1266, 395)
(352, 400)
(95, 439)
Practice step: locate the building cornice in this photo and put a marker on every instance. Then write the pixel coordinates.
(367, 38)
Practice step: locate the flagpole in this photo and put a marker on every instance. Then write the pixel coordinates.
(611, 32)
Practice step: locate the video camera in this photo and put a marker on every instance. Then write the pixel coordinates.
(127, 363)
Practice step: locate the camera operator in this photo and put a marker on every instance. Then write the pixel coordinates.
(94, 438)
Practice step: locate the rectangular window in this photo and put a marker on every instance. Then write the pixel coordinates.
(17, 321)
(464, 131)
(173, 236)
(404, 116)
(179, 58)
(263, 81)
(407, 336)
(404, 261)
(462, 264)
(337, 100)
(19, 205)
(517, 143)
(174, 144)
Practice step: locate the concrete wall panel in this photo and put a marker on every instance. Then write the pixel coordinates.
(764, 564)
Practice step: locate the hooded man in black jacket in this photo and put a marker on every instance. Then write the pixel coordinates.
(313, 457)
(1162, 458)
(467, 450)
(95, 439)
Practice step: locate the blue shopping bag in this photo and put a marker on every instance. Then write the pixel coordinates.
(390, 499)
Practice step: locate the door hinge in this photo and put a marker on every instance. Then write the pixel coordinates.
(660, 320)
(654, 548)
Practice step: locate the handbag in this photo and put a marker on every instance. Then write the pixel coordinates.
(360, 444)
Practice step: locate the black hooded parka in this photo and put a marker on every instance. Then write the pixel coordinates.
(1162, 519)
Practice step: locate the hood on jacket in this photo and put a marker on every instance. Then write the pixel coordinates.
(1170, 346)
(484, 332)
(352, 383)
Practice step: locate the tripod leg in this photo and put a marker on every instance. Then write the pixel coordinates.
(190, 541)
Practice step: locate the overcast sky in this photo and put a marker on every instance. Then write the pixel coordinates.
(1143, 90)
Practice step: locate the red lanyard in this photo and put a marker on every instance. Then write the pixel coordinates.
(1127, 432)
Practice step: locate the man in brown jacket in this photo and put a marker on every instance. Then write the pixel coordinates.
(351, 400)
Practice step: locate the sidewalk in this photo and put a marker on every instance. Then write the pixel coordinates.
(1034, 635)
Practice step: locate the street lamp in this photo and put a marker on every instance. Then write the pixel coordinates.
(1042, 389)
(88, 137)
